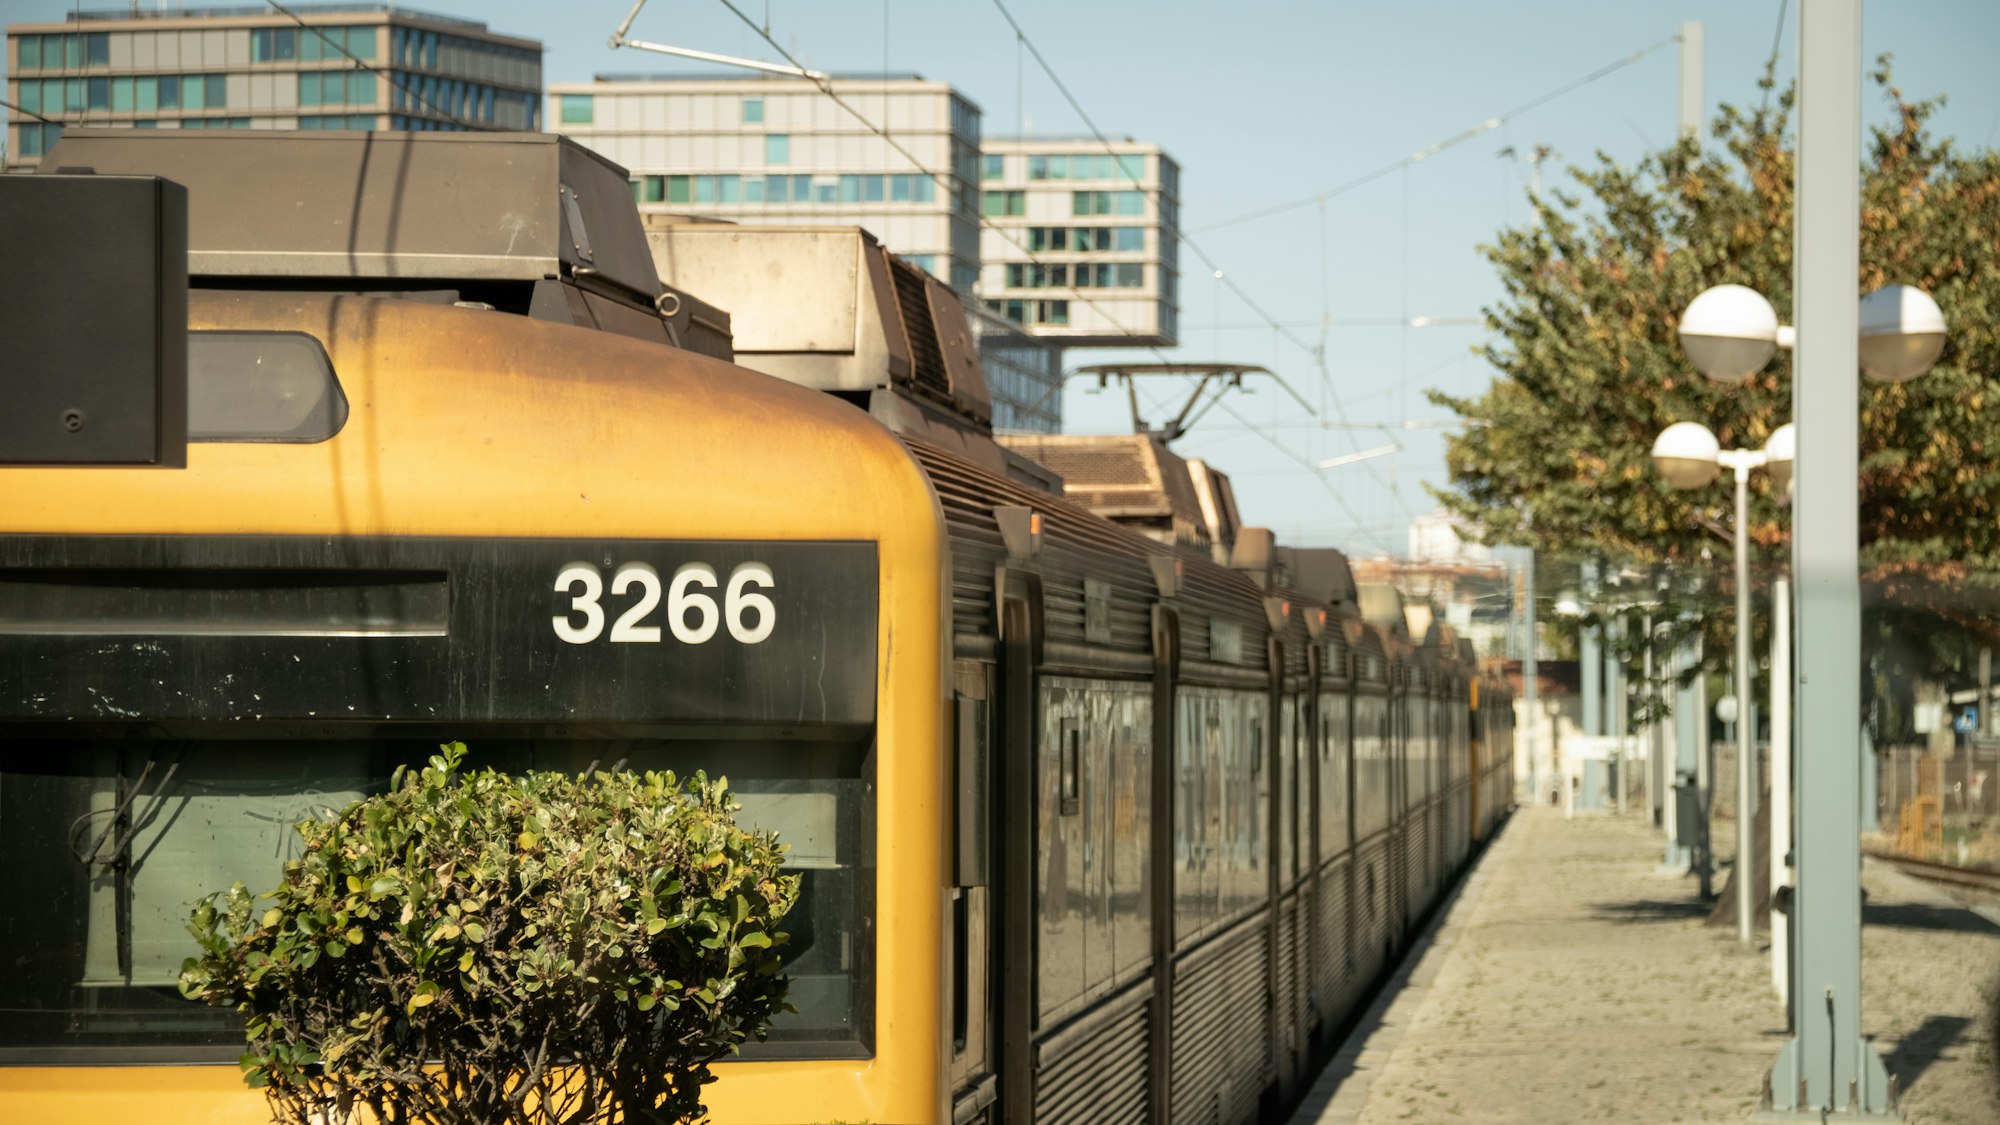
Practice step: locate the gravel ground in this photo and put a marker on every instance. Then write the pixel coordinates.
(1575, 982)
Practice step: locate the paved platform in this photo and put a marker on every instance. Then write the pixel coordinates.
(1569, 980)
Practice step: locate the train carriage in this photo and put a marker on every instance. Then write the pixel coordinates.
(1110, 809)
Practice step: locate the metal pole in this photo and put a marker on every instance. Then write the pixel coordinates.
(1614, 706)
(1781, 778)
(1827, 1066)
(1689, 102)
(1746, 733)
(1652, 731)
(1984, 724)
(1704, 783)
(1590, 659)
(1530, 689)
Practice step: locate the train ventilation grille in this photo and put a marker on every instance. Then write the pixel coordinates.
(926, 357)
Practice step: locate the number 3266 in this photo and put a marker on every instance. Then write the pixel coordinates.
(693, 615)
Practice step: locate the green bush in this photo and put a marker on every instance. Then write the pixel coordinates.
(477, 948)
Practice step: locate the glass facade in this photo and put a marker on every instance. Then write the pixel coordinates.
(779, 150)
(250, 70)
(1106, 279)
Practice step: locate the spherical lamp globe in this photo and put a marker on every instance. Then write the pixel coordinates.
(1902, 333)
(1779, 453)
(1729, 332)
(1685, 453)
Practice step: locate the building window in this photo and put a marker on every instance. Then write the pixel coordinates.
(217, 93)
(992, 203)
(1131, 240)
(98, 48)
(1052, 312)
(578, 109)
(38, 139)
(1131, 202)
(680, 189)
(753, 111)
(650, 189)
(30, 51)
(992, 166)
(100, 92)
(1130, 275)
(777, 149)
(274, 44)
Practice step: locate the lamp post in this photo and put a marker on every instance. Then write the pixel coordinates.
(1688, 456)
(1894, 335)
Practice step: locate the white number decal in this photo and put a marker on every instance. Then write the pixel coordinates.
(679, 601)
(627, 628)
(584, 603)
(736, 601)
(749, 613)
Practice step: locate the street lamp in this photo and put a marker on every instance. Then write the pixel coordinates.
(1688, 457)
(1729, 332)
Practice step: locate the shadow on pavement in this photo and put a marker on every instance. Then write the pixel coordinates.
(1917, 916)
(1651, 910)
(1923, 1046)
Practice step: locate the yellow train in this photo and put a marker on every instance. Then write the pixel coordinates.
(1097, 822)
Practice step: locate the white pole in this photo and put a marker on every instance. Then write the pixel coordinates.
(1781, 778)
(1746, 735)
(1689, 107)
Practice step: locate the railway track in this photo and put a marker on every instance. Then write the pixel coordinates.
(1941, 872)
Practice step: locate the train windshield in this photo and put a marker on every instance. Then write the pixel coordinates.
(110, 844)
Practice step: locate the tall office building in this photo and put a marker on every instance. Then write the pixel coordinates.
(336, 66)
(766, 149)
(1080, 246)
(778, 150)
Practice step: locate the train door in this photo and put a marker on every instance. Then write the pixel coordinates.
(1014, 978)
(1166, 662)
(970, 930)
(1396, 733)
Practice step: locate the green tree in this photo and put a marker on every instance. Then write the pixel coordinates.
(1588, 369)
(473, 949)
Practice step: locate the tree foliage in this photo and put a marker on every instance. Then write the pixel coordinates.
(476, 948)
(1588, 369)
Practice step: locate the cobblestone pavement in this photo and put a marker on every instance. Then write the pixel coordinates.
(1573, 981)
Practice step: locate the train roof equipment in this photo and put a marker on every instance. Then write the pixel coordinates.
(529, 223)
(1213, 379)
(854, 320)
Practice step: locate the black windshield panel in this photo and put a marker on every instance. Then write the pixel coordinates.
(112, 842)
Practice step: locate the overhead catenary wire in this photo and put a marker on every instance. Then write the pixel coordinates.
(29, 112)
(825, 86)
(1455, 139)
(1173, 230)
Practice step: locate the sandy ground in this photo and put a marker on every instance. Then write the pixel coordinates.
(1573, 981)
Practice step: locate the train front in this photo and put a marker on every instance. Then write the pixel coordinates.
(408, 518)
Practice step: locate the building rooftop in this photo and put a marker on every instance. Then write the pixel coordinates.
(259, 10)
(697, 76)
(1063, 139)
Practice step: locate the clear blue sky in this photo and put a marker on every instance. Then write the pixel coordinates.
(1264, 103)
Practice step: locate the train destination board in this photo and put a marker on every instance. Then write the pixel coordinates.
(546, 631)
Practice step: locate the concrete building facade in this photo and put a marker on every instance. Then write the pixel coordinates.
(1081, 246)
(773, 150)
(337, 66)
(769, 149)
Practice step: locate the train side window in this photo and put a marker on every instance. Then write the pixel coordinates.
(262, 387)
(1072, 767)
(1256, 748)
(973, 795)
